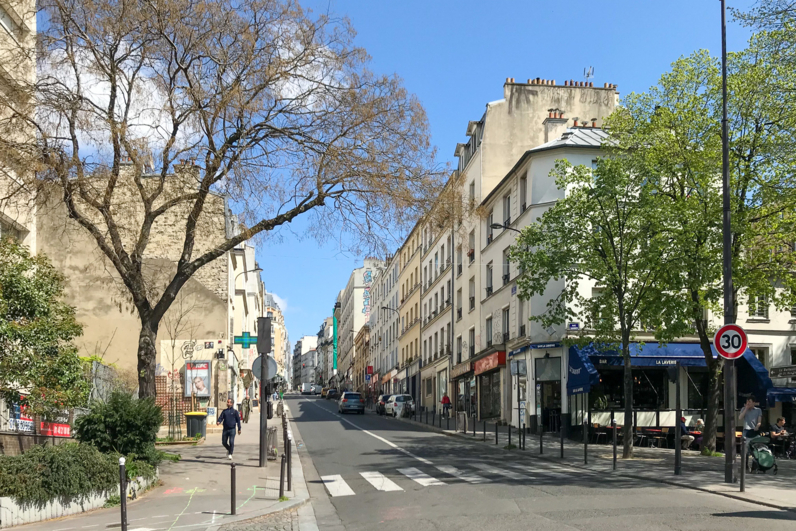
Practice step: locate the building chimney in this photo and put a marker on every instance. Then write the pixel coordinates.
(554, 126)
(594, 122)
(576, 121)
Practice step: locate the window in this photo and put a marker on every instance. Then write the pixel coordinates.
(471, 338)
(489, 279)
(488, 331)
(9, 23)
(459, 349)
(472, 293)
(472, 194)
(758, 306)
(471, 251)
(523, 193)
(505, 324)
(507, 210)
(489, 220)
(761, 353)
(7, 230)
(436, 264)
(793, 360)
(521, 317)
(506, 266)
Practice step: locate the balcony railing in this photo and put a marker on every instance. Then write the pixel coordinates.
(472, 303)
(522, 208)
(458, 313)
(488, 239)
(471, 255)
(522, 330)
(472, 350)
(506, 278)
(488, 291)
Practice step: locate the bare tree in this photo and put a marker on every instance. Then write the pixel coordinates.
(274, 108)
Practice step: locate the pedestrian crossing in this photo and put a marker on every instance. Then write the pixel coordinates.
(476, 473)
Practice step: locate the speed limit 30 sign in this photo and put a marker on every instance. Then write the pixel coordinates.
(730, 341)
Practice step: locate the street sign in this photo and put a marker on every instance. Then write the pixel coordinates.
(270, 367)
(518, 367)
(245, 339)
(369, 370)
(367, 377)
(730, 341)
(788, 371)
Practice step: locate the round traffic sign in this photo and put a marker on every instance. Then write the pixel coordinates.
(730, 341)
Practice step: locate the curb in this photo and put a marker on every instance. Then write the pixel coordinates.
(735, 496)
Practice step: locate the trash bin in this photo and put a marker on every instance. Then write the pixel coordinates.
(271, 443)
(196, 423)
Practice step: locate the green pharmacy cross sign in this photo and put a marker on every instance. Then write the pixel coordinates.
(246, 340)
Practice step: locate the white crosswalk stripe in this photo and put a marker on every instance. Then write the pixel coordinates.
(420, 477)
(498, 471)
(537, 471)
(455, 472)
(380, 481)
(337, 486)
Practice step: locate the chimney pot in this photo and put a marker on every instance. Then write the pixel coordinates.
(508, 80)
(530, 81)
(565, 83)
(594, 122)
(553, 82)
(576, 121)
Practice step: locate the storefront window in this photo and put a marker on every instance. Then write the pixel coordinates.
(442, 383)
(650, 390)
(490, 395)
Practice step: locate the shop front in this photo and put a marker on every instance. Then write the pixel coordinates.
(414, 380)
(489, 373)
(428, 385)
(465, 389)
(386, 386)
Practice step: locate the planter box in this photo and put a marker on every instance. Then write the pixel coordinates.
(13, 514)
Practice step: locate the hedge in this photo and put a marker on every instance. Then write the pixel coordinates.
(71, 472)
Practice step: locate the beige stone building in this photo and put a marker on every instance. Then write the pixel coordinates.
(409, 308)
(280, 340)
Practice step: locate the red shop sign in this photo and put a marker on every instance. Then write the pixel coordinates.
(493, 361)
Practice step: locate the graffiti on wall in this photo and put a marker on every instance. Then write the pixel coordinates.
(368, 280)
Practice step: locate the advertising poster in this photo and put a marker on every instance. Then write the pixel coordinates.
(197, 378)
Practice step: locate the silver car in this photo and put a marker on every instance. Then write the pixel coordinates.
(351, 402)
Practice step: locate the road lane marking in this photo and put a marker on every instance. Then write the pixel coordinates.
(498, 471)
(541, 471)
(382, 439)
(420, 477)
(337, 486)
(455, 472)
(380, 481)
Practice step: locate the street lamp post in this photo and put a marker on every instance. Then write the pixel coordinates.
(504, 227)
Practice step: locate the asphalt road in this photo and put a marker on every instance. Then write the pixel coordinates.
(371, 472)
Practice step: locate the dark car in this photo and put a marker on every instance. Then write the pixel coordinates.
(351, 402)
(382, 401)
(331, 393)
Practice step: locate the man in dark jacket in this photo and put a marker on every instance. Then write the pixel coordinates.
(229, 418)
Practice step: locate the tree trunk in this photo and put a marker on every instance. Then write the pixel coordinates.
(627, 425)
(147, 352)
(712, 417)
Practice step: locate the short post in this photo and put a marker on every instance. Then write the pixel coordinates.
(282, 476)
(484, 431)
(509, 428)
(496, 432)
(524, 436)
(433, 417)
(744, 458)
(541, 440)
(448, 423)
(613, 422)
(426, 416)
(232, 484)
(289, 452)
(123, 492)
(561, 436)
(585, 442)
(678, 434)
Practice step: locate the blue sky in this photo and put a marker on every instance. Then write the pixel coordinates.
(455, 55)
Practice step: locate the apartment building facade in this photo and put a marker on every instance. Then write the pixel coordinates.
(404, 373)
(385, 323)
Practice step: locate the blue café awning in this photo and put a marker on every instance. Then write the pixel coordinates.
(752, 375)
(781, 394)
(582, 374)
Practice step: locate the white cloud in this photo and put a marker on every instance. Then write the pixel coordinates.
(281, 302)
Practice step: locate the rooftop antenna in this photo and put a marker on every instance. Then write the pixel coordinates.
(588, 73)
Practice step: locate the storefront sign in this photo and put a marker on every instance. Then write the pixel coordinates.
(546, 345)
(385, 378)
(491, 362)
(573, 327)
(461, 369)
(369, 370)
(782, 372)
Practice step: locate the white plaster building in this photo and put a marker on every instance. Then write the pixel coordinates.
(385, 322)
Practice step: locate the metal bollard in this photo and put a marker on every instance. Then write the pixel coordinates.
(426, 416)
(282, 476)
(524, 436)
(585, 442)
(509, 427)
(744, 460)
(541, 440)
(484, 431)
(123, 492)
(613, 421)
(448, 423)
(496, 433)
(561, 435)
(289, 461)
(234, 488)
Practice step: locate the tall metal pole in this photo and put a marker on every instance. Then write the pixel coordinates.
(263, 413)
(678, 452)
(729, 302)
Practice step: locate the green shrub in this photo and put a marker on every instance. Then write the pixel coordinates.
(68, 472)
(122, 425)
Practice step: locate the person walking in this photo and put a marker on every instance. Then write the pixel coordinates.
(446, 404)
(229, 418)
(246, 409)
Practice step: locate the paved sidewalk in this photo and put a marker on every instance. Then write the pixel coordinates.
(655, 464)
(195, 492)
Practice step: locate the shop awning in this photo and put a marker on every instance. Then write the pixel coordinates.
(752, 375)
(582, 374)
(781, 394)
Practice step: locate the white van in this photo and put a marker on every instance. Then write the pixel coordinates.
(306, 389)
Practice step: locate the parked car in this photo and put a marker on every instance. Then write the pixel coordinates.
(351, 402)
(316, 389)
(380, 403)
(324, 391)
(399, 405)
(331, 393)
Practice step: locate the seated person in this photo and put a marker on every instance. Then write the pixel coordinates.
(778, 431)
(685, 434)
(699, 431)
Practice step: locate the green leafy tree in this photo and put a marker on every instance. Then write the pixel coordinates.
(607, 233)
(673, 131)
(38, 360)
(123, 424)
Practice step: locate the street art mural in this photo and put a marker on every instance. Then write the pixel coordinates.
(367, 279)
